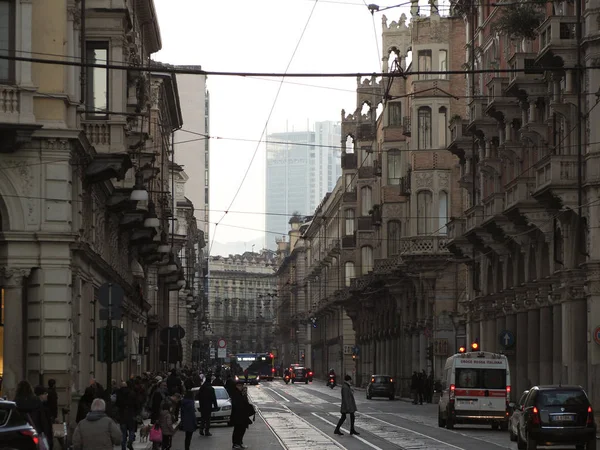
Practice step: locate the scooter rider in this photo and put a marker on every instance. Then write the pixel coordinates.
(331, 377)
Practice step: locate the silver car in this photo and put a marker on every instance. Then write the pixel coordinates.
(223, 412)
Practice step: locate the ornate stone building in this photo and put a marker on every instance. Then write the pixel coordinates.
(84, 191)
(242, 301)
(529, 166)
(382, 285)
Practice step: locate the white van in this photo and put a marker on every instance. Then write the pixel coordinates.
(476, 390)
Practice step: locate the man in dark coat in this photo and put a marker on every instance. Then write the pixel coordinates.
(42, 415)
(240, 415)
(348, 407)
(128, 408)
(207, 401)
(52, 400)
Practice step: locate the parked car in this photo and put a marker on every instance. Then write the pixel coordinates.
(223, 411)
(557, 415)
(381, 386)
(516, 410)
(15, 432)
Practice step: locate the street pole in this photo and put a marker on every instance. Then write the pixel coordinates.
(168, 348)
(108, 336)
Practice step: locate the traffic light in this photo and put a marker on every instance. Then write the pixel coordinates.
(119, 344)
(475, 345)
(430, 352)
(102, 345)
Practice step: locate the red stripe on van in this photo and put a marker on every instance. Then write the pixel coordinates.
(479, 393)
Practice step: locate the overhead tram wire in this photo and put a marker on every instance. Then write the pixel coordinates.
(264, 130)
(182, 70)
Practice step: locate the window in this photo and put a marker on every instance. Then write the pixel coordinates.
(442, 127)
(366, 200)
(443, 63)
(424, 64)
(481, 378)
(7, 39)
(349, 272)
(393, 237)
(366, 259)
(97, 79)
(394, 114)
(349, 228)
(424, 128)
(424, 212)
(393, 167)
(443, 212)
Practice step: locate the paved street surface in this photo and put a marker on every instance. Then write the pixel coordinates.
(299, 416)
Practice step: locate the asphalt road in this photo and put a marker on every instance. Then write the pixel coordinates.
(299, 416)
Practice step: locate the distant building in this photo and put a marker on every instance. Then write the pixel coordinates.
(302, 166)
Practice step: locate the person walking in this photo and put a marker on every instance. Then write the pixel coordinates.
(127, 407)
(348, 407)
(188, 417)
(97, 431)
(52, 400)
(207, 401)
(240, 415)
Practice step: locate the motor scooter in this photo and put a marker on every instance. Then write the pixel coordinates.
(331, 382)
(286, 379)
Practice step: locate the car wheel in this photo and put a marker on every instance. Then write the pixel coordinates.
(512, 436)
(441, 421)
(521, 445)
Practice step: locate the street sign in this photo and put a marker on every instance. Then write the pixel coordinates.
(222, 353)
(115, 292)
(356, 350)
(213, 352)
(597, 335)
(507, 339)
(221, 343)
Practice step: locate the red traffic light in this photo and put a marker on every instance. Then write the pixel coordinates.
(475, 346)
(270, 355)
(462, 349)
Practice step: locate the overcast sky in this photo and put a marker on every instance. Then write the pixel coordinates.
(260, 36)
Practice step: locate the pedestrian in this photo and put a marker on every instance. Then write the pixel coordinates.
(188, 417)
(52, 400)
(421, 386)
(158, 397)
(30, 405)
(240, 415)
(44, 419)
(128, 408)
(414, 387)
(97, 431)
(207, 402)
(166, 425)
(85, 404)
(348, 407)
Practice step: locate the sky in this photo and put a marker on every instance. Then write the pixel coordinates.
(260, 36)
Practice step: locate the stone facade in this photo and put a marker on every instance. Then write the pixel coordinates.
(530, 179)
(70, 153)
(242, 302)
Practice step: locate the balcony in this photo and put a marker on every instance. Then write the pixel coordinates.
(556, 181)
(97, 132)
(493, 206)
(527, 80)
(461, 141)
(557, 39)
(349, 242)
(366, 172)
(365, 224)
(517, 193)
(457, 242)
(349, 196)
(499, 105)
(423, 245)
(365, 132)
(406, 125)
(17, 122)
(456, 228)
(466, 175)
(479, 122)
(474, 217)
(348, 161)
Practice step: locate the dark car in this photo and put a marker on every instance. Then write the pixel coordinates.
(300, 375)
(516, 410)
(381, 386)
(15, 432)
(558, 415)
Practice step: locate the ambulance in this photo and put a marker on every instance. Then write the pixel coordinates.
(475, 389)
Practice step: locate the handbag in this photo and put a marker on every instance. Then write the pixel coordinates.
(156, 433)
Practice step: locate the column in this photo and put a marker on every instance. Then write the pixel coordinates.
(546, 341)
(533, 347)
(511, 325)
(490, 336)
(575, 346)
(557, 343)
(15, 329)
(521, 357)
(415, 352)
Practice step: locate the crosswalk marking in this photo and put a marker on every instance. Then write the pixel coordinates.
(364, 441)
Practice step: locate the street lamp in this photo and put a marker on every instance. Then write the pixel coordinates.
(151, 220)
(139, 193)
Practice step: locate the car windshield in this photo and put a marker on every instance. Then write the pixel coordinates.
(380, 379)
(221, 394)
(299, 370)
(562, 398)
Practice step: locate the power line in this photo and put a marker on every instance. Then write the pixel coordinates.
(264, 130)
(182, 70)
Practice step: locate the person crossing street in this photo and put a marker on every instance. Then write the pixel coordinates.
(348, 407)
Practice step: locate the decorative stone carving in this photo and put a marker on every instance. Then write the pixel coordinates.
(13, 277)
(424, 179)
(74, 15)
(443, 179)
(23, 171)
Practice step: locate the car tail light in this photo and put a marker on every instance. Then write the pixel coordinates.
(590, 416)
(32, 434)
(391, 380)
(272, 370)
(310, 373)
(372, 380)
(452, 393)
(536, 416)
(507, 397)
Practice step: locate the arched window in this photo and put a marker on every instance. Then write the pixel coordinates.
(349, 272)
(394, 114)
(393, 237)
(442, 212)
(393, 167)
(442, 127)
(349, 223)
(424, 201)
(424, 128)
(366, 259)
(366, 200)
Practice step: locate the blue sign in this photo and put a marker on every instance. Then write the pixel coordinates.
(356, 350)
(507, 339)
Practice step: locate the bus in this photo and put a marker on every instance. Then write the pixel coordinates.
(253, 367)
